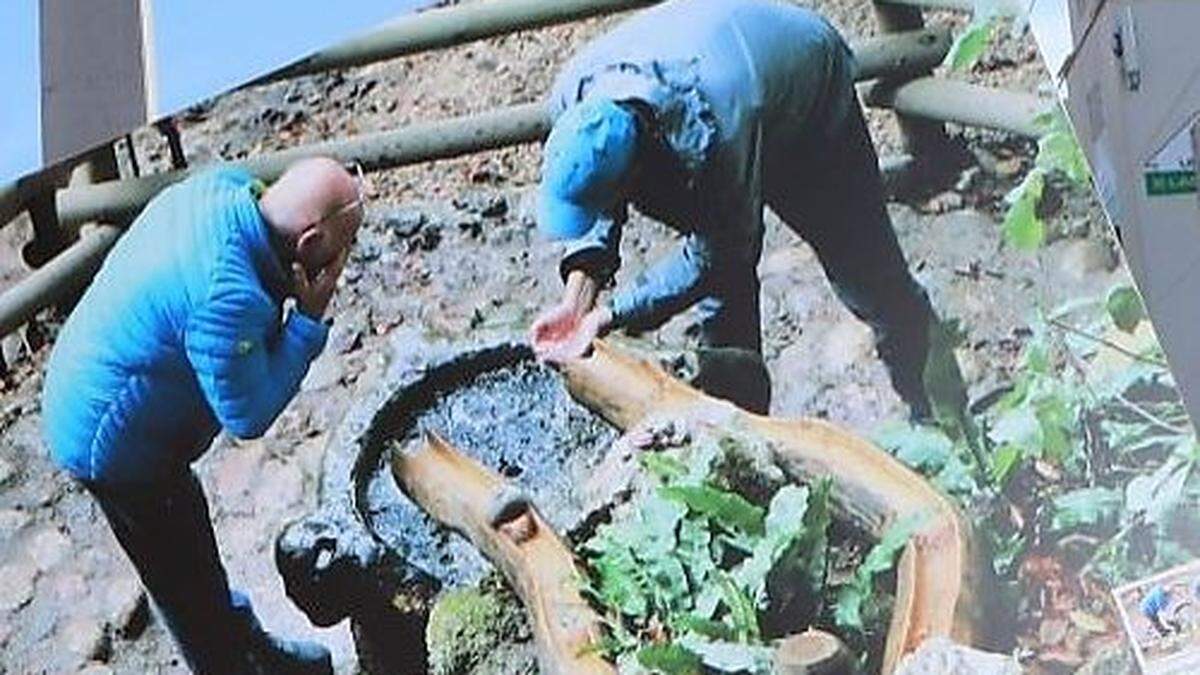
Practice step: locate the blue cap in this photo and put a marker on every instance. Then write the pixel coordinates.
(587, 154)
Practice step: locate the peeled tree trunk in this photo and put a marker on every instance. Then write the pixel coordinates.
(938, 574)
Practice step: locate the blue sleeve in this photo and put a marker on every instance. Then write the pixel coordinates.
(668, 287)
(247, 364)
(598, 252)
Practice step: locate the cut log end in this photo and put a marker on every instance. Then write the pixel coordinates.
(814, 652)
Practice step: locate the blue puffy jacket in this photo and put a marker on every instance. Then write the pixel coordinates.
(180, 334)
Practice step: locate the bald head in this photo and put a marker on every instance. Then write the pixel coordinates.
(314, 208)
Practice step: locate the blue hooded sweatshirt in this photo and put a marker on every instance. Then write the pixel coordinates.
(179, 335)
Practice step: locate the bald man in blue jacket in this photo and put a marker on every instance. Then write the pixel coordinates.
(700, 113)
(184, 332)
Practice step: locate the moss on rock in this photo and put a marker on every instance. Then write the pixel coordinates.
(467, 625)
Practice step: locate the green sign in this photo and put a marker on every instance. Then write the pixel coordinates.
(1170, 182)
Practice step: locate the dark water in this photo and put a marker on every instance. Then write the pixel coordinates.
(519, 421)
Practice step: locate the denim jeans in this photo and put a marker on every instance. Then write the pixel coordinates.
(165, 529)
(831, 194)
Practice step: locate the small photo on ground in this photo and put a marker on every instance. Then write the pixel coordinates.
(1161, 616)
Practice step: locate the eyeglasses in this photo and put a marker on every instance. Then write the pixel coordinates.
(355, 169)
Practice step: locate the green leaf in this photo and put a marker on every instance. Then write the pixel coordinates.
(925, 449)
(853, 595)
(1005, 461)
(1124, 305)
(1085, 507)
(663, 466)
(1058, 150)
(970, 46)
(1156, 495)
(742, 612)
(695, 551)
(1023, 229)
(715, 630)
(847, 612)
(730, 657)
(620, 582)
(671, 659)
(727, 508)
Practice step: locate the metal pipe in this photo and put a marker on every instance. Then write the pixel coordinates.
(957, 5)
(962, 103)
(67, 272)
(118, 201)
(895, 55)
(450, 26)
(11, 203)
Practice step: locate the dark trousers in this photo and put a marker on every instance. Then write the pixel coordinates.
(830, 192)
(165, 529)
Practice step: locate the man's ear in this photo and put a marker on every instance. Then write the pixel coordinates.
(309, 243)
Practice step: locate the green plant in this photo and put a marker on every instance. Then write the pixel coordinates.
(1096, 433)
(1058, 151)
(695, 574)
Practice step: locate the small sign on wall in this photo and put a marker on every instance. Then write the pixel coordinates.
(1172, 169)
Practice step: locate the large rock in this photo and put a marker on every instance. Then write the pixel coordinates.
(940, 656)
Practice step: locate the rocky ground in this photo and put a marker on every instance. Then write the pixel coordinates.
(449, 248)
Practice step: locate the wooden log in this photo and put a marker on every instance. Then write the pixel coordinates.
(814, 652)
(938, 575)
(461, 494)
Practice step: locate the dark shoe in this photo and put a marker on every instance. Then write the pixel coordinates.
(271, 655)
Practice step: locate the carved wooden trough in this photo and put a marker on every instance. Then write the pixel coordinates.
(370, 551)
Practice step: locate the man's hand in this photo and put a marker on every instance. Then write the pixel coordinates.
(563, 333)
(313, 295)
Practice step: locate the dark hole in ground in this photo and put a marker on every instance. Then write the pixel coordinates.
(501, 407)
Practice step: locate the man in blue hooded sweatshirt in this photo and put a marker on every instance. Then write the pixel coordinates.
(184, 332)
(700, 113)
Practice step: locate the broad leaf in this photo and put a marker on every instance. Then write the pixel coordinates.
(1085, 507)
(727, 508)
(1124, 305)
(671, 659)
(1023, 228)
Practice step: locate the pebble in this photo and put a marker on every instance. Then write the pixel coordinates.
(16, 585)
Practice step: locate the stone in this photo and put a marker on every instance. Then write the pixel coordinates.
(95, 669)
(940, 656)
(12, 348)
(16, 585)
(403, 222)
(466, 625)
(47, 547)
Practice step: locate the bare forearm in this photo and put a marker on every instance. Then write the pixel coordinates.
(580, 292)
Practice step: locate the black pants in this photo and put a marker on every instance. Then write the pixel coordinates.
(165, 529)
(830, 192)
